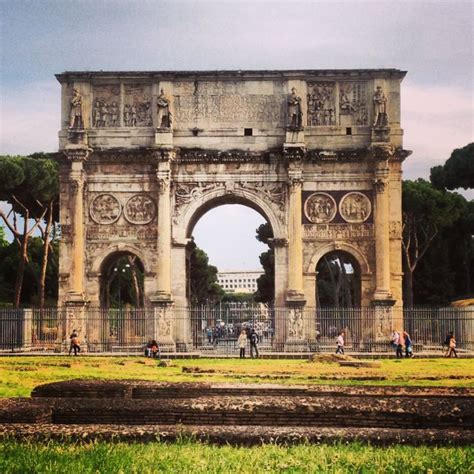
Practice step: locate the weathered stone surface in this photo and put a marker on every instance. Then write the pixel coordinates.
(145, 154)
(237, 435)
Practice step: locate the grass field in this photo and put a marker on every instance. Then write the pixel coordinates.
(19, 375)
(192, 457)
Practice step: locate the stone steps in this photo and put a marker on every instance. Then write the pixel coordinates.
(204, 407)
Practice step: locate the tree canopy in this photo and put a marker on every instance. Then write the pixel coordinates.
(457, 172)
(203, 278)
(427, 214)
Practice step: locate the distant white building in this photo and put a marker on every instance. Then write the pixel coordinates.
(239, 282)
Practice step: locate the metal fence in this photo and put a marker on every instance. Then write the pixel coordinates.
(215, 330)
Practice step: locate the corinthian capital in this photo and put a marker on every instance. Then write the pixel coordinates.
(77, 154)
(163, 179)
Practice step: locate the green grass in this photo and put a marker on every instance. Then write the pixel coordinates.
(19, 375)
(193, 457)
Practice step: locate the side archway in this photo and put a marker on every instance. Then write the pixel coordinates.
(340, 275)
(121, 280)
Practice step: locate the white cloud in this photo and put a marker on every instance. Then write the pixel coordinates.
(30, 118)
(436, 120)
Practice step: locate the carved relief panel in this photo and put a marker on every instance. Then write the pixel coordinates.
(105, 209)
(353, 103)
(106, 107)
(140, 209)
(131, 216)
(321, 103)
(337, 207)
(137, 110)
(355, 207)
(320, 208)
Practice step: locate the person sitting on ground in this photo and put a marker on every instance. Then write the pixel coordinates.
(340, 343)
(408, 345)
(148, 349)
(75, 343)
(452, 347)
(155, 349)
(242, 341)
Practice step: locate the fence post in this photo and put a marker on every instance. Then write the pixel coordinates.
(27, 329)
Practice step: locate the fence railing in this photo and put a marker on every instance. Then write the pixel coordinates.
(215, 330)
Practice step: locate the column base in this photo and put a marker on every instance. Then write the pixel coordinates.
(382, 295)
(295, 298)
(74, 298)
(161, 298)
(164, 138)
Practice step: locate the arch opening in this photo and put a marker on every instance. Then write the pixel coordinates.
(227, 235)
(122, 281)
(338, 280)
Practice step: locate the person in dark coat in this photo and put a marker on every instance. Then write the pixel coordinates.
(254, 340)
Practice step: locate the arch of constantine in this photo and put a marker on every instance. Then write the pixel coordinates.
(144, 155)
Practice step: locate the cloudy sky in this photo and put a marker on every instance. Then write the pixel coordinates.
(432, 40)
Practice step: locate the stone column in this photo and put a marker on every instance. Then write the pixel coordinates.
(163, 270)
(280, 248)
(382, 234)
(77, 157)
(295, 237)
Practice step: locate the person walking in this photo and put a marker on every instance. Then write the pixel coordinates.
(445, 344)
(254, 340)
(408, 345)
(452, 347)
(396, 341)
(242, 341)
(75, 343)
(340, 343)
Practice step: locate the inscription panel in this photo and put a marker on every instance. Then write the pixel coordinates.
(226, 103)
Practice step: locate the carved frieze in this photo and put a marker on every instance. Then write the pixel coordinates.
(355, 207)
(140, 209)
(106, 108)
(353, 103)
(320, 208)
(337, 231)
(105, 209)
(137, 106)
(192, 156)
(321, 104)
(118, 232)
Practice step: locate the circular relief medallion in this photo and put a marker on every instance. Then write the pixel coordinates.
(105, 209)
(140, 209)
(320, 208)
(355, 207)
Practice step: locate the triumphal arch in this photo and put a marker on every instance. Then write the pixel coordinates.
(144, 155)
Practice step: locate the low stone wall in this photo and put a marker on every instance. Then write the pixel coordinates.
(216, 409)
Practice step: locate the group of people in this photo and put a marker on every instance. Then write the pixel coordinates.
(401, 341)
(251, 336)
(152, 349)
